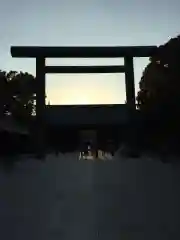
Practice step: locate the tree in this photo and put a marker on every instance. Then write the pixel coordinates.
(3, 92)
(17, 95)
(159, 96)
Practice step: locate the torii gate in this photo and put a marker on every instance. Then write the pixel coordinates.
(41, 53)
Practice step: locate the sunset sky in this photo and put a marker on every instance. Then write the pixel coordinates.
(85, 23)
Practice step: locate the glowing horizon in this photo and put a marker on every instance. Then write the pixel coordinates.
(107, 88)
(85, 89)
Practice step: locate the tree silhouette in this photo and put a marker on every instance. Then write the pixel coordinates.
(159, 85)
(17, 95)
(159, 96)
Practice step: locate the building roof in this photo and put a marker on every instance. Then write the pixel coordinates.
(86, 115)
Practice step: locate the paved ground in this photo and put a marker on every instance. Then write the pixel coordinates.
(64, 198)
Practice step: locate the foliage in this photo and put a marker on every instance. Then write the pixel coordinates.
(17, 94)
(159, 96)
(160, 83)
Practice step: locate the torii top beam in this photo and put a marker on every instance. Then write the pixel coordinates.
(82, 52)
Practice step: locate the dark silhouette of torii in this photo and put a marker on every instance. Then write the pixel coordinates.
(41, 53)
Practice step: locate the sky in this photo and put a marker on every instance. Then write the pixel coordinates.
(85, 23)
